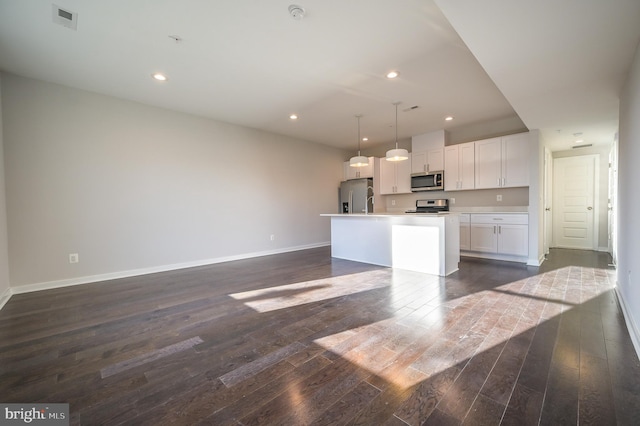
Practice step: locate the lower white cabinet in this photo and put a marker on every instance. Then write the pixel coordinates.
(504, 235)
(465, 232)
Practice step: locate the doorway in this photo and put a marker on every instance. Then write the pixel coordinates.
(575, 209)
(547, 199)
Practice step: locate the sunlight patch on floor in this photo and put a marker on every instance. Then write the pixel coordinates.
(420, 309)
(290, 295)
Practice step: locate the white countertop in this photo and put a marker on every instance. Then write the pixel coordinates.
(389, 214)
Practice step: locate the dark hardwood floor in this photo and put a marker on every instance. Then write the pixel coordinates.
(300, 339)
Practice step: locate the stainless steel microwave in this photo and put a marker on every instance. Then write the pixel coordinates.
(430, 181)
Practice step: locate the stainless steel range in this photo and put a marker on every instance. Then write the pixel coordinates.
(431, 206)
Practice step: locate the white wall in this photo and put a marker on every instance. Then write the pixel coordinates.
(129, 187)
(4, 253)
(629, 200)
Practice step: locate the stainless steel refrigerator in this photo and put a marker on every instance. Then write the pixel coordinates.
(356, 196)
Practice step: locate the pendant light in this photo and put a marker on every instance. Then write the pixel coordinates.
(397, 154)
(359, 160)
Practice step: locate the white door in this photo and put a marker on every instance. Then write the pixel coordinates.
(547, 200)
(613, 184)
(573, 205)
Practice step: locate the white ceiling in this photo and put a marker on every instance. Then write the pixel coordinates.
(559, 64)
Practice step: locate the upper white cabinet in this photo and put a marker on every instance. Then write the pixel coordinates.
(429, 161)
(395, 177)
(515, 160)
(358, 172)
(427, 152)
(459, 167)
(502, 162)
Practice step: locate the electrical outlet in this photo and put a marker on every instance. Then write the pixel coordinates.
(272, 237)
(393, 202)
(73, 258)
(453, 200)
(498, 197)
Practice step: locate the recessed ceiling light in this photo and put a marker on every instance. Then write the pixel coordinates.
(293, 116)
(392, 74)
(579, 141)
(159, 76)
(448, 118)
(365, 139)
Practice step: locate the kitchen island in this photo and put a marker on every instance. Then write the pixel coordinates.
(428, 243)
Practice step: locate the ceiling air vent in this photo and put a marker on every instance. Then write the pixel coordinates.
(581, 146)
(65, 17)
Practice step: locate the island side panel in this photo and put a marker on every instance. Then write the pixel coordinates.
(361, 239)
(418, 248)
(451, 244)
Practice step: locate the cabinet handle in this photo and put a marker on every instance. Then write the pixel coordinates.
(498, 181)
(499, 229)
(424, 168)
(427, 167)
(494, 229)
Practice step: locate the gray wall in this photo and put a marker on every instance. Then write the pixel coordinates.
(131, 187)
(629, 199)
(4, 253)
(603, 187)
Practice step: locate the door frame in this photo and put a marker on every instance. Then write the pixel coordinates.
(612, 206)
(596, 198)
(547, 202)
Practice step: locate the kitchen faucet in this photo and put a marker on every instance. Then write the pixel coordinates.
(366, 202)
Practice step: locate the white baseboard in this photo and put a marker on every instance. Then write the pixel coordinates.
(493, 256)
(28, 288)
(4, 297)
(628, 319)
(536, 262)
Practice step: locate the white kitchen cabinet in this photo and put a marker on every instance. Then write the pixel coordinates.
(427, 151)
(500, 234)
(395, 177)
(513, 239)
(465, 231)
(483, 237)
(515, 160)
(358, 172)
(427, 161)
(459, 167)
(502, 162)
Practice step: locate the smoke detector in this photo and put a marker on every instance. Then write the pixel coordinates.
(297, 12)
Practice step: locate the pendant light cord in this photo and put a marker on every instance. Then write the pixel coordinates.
(358, 117)
(397, 125)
